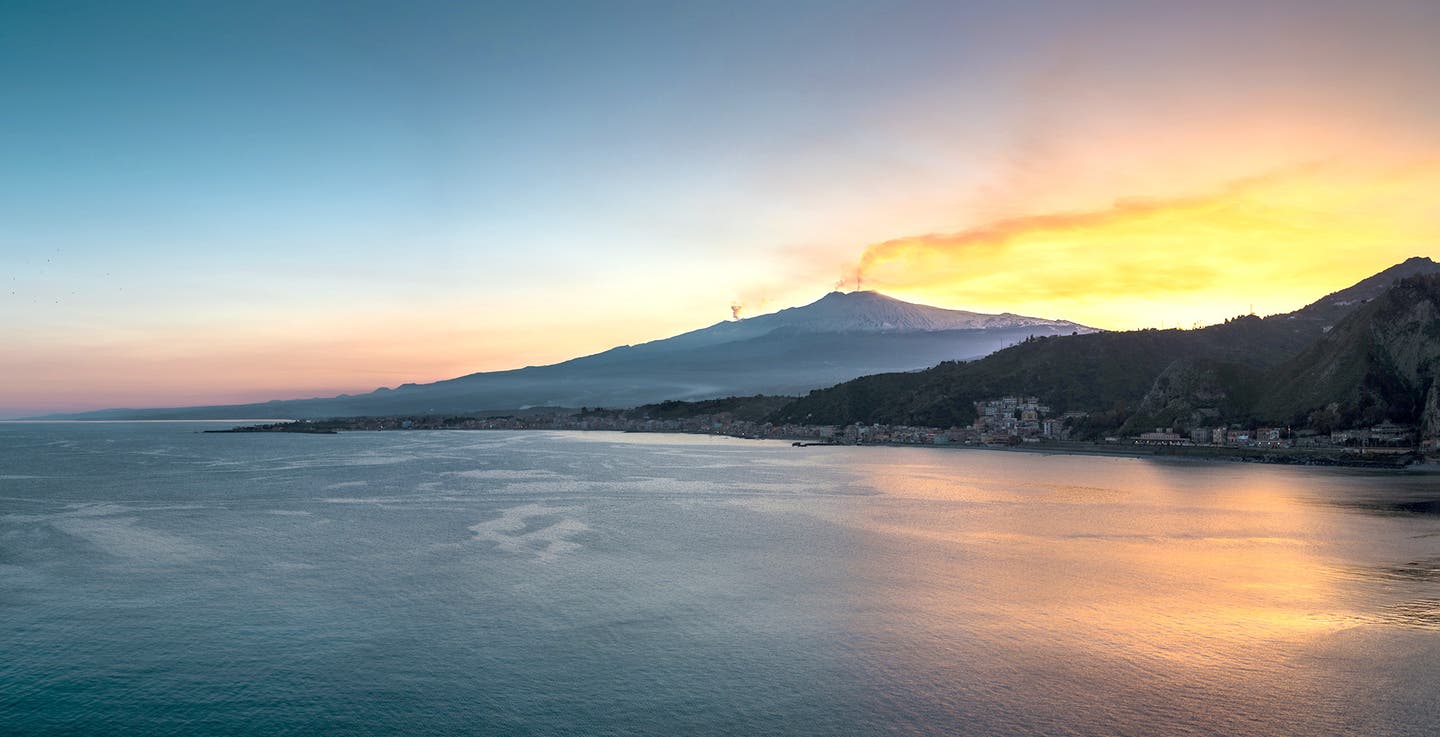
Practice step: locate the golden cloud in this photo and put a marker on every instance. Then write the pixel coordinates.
(1276, 242)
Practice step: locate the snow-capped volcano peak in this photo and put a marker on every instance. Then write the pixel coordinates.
(866, 311)
(860, 312)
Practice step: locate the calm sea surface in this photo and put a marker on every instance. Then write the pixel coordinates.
(154, 580)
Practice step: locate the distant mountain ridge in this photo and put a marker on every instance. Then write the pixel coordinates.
(836, 338)
(1370, 350)
(1337, 305)
(1381, 363)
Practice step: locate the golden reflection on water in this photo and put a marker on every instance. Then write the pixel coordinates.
(1121, 574)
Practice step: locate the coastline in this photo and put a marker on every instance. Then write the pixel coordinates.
(1401, 461)
(1285, 456)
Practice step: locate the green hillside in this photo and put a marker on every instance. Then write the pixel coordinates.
(1367, 349)
(1378, 364)
(1101, 372)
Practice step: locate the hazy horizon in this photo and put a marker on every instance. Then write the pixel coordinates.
(771, 310)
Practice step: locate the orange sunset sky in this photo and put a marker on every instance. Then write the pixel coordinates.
(272, 201)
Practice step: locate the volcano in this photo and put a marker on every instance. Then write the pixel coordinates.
(841, 336)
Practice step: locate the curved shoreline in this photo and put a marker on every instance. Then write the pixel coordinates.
(1389, 460)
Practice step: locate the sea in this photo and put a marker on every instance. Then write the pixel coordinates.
(158, 580)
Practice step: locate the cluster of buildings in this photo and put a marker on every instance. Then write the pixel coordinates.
(1384, 435)
(862, 434)
(1001, 420)
(1234, 437)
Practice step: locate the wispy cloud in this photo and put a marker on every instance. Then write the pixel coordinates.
(1275, 240)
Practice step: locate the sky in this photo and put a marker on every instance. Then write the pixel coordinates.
(227, 202)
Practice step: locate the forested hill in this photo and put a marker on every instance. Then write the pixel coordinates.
(1107, 372)
(1381, 363)
(1137, 377)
